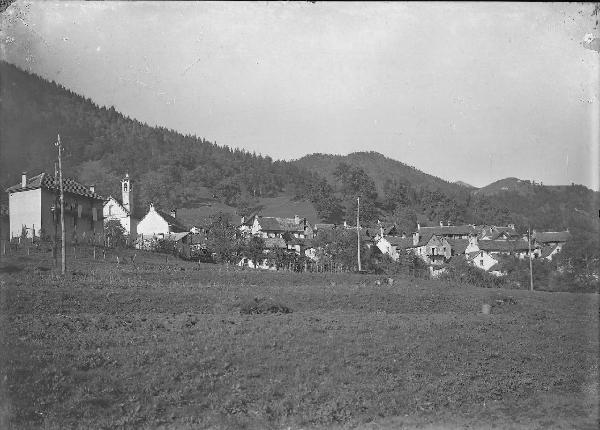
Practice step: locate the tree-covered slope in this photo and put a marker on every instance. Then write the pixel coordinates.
(101, 145)
(379, 167)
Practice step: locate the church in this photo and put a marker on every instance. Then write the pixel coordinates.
(122, 210)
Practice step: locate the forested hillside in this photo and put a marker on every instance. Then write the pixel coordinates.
(175, 170)
(101, 145)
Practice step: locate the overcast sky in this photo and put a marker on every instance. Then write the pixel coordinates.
(471, 92)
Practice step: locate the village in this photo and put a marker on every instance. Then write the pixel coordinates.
(33, 213)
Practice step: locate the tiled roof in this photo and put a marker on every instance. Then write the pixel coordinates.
(449, 230)
(503, 245)
(172, 221)
(280, 224)
(424, 238)
(458, 245)
(551, 236)
(48, 182)
(399, 241)
(547, 250)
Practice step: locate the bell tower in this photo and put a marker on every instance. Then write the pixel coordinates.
(126, 193)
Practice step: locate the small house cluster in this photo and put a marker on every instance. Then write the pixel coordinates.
(34, 211)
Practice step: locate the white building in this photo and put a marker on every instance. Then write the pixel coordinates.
(157, 222)
(482, 260)
(34, 208)
(122, 210)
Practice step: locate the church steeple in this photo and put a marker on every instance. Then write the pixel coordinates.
(126, 192)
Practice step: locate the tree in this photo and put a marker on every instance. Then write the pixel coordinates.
(255, 249)
(223, 240)
(115, 233)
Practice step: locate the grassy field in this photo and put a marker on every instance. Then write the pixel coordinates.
(174, 345)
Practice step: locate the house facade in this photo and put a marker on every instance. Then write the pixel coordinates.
(482, 260)
(34, 208)
(157, 222)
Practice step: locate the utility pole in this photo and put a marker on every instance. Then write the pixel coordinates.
(62, 208)
(358, 229)
(530, 262)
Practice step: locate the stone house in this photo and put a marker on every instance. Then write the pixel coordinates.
(34, 207)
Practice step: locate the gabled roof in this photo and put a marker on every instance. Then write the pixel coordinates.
(423, 240)
(551, 236)
(458, 245)
(547, 250)
(503, 245)
(399, 242)
(48, 182)
(172, 221)
(449, 230)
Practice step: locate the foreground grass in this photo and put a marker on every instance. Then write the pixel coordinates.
(165, 345)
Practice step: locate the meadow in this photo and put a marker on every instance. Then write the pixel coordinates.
(174, 344)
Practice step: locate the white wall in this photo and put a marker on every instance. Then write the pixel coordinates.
(113, 210)
(152, 223)
(25, 208)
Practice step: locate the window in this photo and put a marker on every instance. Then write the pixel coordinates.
(481, 262)
(125, 186)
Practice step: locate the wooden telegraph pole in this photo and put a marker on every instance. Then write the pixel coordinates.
(358, 229)
(62, 209)
(530, 262)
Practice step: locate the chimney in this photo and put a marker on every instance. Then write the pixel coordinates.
(511, 226)
(345, 224)
(174, 213)
(418, 226)
(151, 206)
(441, 223)
(243, 220)
(448, 223)
(93, 188)
(296, 219)
(415, 238)
(381, 231)
(23, 179)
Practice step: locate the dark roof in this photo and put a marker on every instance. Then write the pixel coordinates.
(48, 182)
(449, 230)
(551, 236)
(172, 221)
(307, 243)
(458, 245)
(423, 239)
(503, 245)
(280, 224)
(547, 250)
(399, 241)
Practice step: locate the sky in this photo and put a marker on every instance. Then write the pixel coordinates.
(465, 91)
